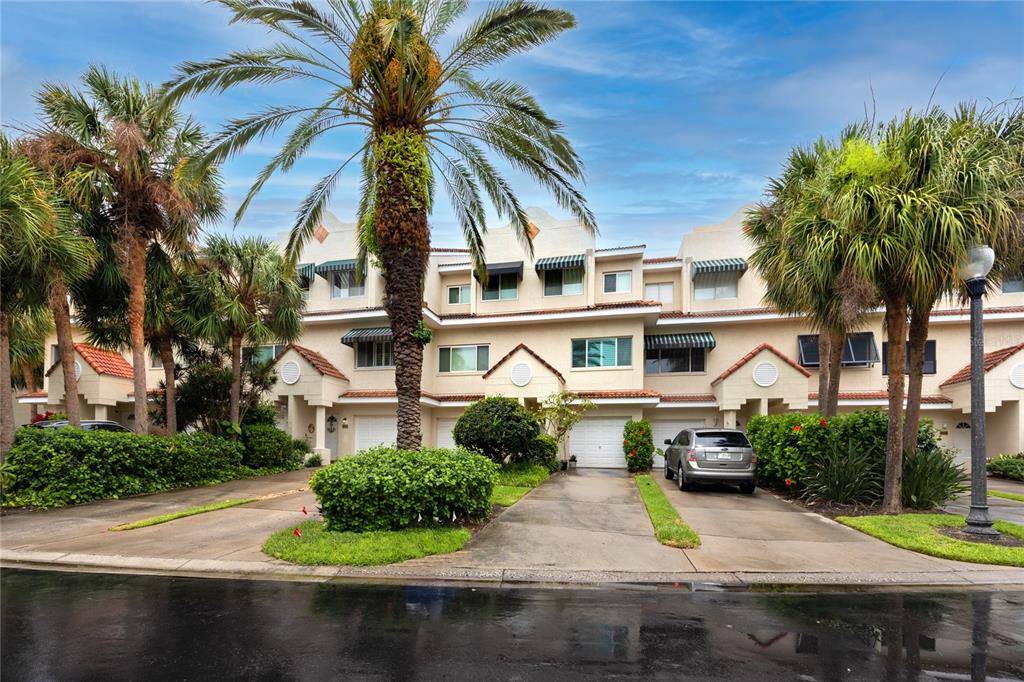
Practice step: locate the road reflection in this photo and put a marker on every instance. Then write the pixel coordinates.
(91, 626)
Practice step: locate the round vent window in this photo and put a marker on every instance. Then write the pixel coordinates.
(765, 374)
(290, 372)
(1017, 375)
(78, 369)
(521, 374)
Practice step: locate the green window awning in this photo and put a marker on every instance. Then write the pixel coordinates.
(703, 267)
(512, 268)
(332, 266)
(560, 263)
(365, 334)
(305, 272)
(695, 340)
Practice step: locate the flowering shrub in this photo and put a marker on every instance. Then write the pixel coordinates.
(638, 445)
(48, 415)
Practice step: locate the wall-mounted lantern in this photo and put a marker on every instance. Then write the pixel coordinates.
(344, 422)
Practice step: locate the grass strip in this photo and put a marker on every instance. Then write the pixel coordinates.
(522, 475)
(319, 547)
(1006, 496)
(507, 495)
(917, 532)
(191, 511)
(669, 528)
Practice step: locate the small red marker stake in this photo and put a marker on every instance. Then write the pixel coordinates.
(297, 533)
(304, 510)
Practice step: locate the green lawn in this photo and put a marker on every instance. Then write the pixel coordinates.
(669, 528)
(917, 532)
(522, 475)
(318, 547)
(191, 511)
(1006, 496)
(507, 495)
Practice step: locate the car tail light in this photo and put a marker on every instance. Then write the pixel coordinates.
(753, 459)
(691, 455)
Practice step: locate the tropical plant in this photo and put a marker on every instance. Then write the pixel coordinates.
(561, 411)
(122, 158)
(28, 330)
(1007, 466)
(497, 427)
(38, 245)
(931, 478)
(245, 295)
(426, 119)
(842, 474)
(638, 444)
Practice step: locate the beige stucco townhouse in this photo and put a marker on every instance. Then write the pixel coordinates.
(682, 340)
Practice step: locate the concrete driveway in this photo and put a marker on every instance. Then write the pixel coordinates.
(998, 507)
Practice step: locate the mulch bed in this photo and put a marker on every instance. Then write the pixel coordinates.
(994, 540)
(829, 509)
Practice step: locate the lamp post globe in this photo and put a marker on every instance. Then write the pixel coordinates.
(974, 271)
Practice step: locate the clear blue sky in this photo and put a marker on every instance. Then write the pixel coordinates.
(680, 110)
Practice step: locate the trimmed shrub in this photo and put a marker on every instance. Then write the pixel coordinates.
(785, 444)
(1008, 466)
(263, 413)
(838, 475)
(931, 478)
(385, 488)
(57, 467)
(497, 427)
(268, 447)
(638, 445)
(313, 460)
(544, 451)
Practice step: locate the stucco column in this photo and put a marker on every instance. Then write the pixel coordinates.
(588, 278)
(320, 434)
(729, 419)
(100, 413)
(762, 406)
(474, 293)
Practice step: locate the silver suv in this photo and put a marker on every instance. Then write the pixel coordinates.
(711, 456)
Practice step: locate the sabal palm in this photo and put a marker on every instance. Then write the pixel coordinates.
(245, 294)
(123, 156)
(39, 249)
(426, 119)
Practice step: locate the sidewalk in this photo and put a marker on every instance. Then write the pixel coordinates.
(587, 528)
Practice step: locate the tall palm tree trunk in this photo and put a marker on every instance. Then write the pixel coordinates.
(919, 318)
(65, 346)
(170, 389)
(236, 379)
(823, 371)
(896, 335)
(6, 390)
(835, 369)
(136, 329)
(29, 377)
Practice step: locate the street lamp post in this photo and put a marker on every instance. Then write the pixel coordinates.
(975, 271)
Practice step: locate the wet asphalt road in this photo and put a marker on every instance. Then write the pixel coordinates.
(77, 626)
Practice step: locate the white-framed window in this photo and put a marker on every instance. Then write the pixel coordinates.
(563, 282)
(658, 291)
(343, 285)
(715, 285)
(615, 351)
(154, 361)
(501, 288)
(262, 354)
(618, 282)
(458, 294)
(463, 359)
(370, 354)
(1013, 285)
(674, 360)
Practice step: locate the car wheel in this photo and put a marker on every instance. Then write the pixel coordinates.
(683, 483)
(668, 470)
(747, 488)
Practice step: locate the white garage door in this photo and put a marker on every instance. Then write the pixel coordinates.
(445, 439)
(597, 442)
(372, 431)
(669, 428)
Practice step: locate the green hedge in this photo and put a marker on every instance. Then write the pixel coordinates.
(497, 427)
(56, 467)
(385, 488)
(1008, 466)
(638, 445)
(268, 447)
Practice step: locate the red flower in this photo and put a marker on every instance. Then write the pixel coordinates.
(823, 422)
(789, 482)
(796, 428)
(297, 533)
(632, 453)
(625, 442)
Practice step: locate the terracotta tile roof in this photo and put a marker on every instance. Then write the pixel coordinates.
(374, 309)
(662, 259)
(616, 248)
(717, 313)
(391, 393)
(102, 361)
(988, 311)
(687, 398)
(750, 356)
(556, 311)
(149, 392)
(881, 395)
(319, 362)
(527, 349)
(992, 359)
(33, 394)
(628, 393)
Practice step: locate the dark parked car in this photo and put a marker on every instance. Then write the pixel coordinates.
(88, 425)
(711, 456)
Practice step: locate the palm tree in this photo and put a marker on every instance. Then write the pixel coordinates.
(28, 331)
(38, 243)
(426, 119)
(123, 156)
(245, 295)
